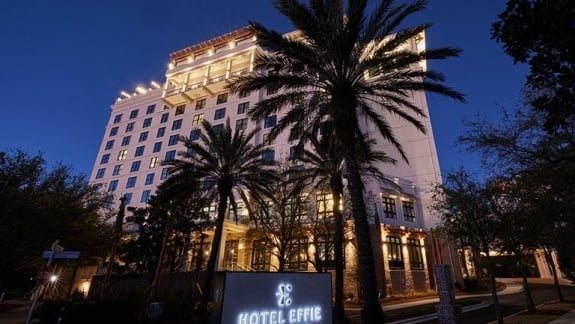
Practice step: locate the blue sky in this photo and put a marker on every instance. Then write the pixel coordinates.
(63, 63)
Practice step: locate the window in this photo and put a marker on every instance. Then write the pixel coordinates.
(164, 117)
(243, 107)
(117, 118)
(161, 132)
(194, 134)
(131, 183)
(105, 158)
(295, 172)
(243, 94)
(415, 257)
(394, 252)
(180, 110)
(222, 98)
(297, 255)
(129, 127)
(220, 113)
(165, 173)
(117, 169)
(389, 208)
(197, 119)
(325, 251)
(139, 150)
(126, 140)
(122, 155)
(268, 155)
(109, 145)
(200, 104)
(267, 140)
(218, 128)
(270, 121)
(176, 124)
(324, 205)
(153, 162)
(145, 196)
(241, 124)
(261, 255)
(100, 173)
(408, 211)
(114, 131)
(173, 140)
(150, 109)
(113, 185)
(128, 197)
(157, 147)
(133, 114)
(170, 155)
(147, 122)
(135, 166)
(295, 133)
(149, 179)
(143, 137)
(295, 152)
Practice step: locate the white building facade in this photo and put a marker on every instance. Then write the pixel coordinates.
(143, 131)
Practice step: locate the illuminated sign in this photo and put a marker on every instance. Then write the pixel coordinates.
(272, 298)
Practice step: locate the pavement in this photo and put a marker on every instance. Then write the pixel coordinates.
(19, 314)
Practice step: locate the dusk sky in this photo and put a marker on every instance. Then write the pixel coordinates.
(64, 62)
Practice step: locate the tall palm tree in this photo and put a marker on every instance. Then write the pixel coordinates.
(352, 64)
(229, 167)
(324, 167)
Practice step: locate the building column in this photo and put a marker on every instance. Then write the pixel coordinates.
(408, 275)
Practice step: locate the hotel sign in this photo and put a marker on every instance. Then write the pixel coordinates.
(272, 298)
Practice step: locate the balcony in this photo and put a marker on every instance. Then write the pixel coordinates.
(175, 96)
(196, 90)
(217, 84)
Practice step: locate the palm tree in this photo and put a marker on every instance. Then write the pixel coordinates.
(353, 65)
(324, 167)
(228, 166)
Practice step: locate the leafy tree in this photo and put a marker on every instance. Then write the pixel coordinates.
(39, 206)
(541, 33)
(322, 70)
(229, 168)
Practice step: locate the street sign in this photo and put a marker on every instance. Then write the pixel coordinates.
(61, 254)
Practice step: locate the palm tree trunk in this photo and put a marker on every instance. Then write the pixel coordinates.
(338, 309)
(371, 311)
(211, 268)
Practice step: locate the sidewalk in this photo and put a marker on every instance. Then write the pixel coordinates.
(16, 315)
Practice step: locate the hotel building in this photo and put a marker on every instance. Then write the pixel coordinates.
(143, 131)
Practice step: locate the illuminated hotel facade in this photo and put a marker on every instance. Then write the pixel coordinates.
(143, 131)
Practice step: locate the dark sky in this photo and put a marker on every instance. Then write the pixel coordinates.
(64, 62)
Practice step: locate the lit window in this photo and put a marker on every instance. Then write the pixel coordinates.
(157, 147)
(180, 109)
(164, 117)
(161, 132)
(122, 155)
(147, 122)
(200, 104)
(219, 113)
(135, 166)
(100, 173)
(117, 118)
(117, 169)
(133, 114)
(243, 107)
(150, 109)
(270, 121)
(268, 155)
(222, 98)
(113, 185)
(143, 137)
(113, 131)
(415, 257)
(165, 174)
(131, 183)
(177, 124)
(394, 254)
(297, 255)
(197, 119)
(129, 127)
(241, 124)
(170, 155)
(149, 179)
(109, 145)
(126, 140)
(153, 162)
(408, 211)
(173, 140)
(261, 255)
(325, 251)
(139, 151)
(145, 196)
(389, 208)
(105, 158)
(194, 134)
(324, 205)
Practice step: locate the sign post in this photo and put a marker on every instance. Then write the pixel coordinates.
(40, 289)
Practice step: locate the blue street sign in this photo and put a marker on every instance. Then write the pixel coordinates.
(61, 254)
